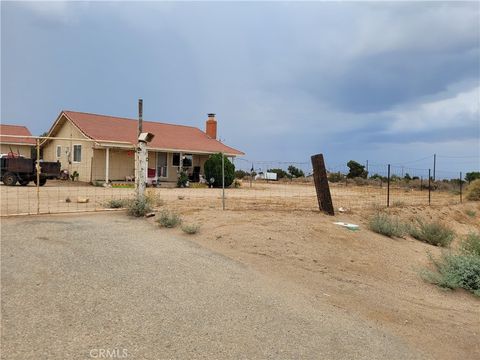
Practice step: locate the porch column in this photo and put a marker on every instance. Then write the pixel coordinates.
(107, 164)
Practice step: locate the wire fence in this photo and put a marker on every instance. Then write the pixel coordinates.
(93, 173)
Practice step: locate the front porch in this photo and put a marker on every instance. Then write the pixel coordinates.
(111, 164)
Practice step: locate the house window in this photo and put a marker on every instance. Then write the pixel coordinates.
(176, 159)
(187, 160)
(59, 151)
(77, 153)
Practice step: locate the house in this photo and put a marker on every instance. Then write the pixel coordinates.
(16, 145)
(102, 148)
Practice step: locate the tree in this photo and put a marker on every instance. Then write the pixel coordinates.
(280, 173)
(296, 172)
(356, 170)
(213, 169)
(471, 176)
(240, 174)
(407, 177)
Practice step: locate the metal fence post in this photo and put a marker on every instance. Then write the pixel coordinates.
(461, 187)
(429, 187)
(388, 186)
(39, 169)
(421, 183)
(223, 182)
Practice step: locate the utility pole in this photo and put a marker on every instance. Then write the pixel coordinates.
(434, 165)
(140, 156)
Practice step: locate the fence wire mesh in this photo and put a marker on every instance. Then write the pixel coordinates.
(85, 184)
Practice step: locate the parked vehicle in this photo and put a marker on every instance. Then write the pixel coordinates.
(19, 169)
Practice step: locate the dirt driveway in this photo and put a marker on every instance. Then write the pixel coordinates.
(77, 286)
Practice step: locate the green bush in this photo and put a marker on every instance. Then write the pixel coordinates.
(117, 203)
(455, 271)
(182, 179)
(471, 244)
(190, 229)
(138, 208)
(432, 233)
(387, 225)
(169, 219)
(473, 191)
(213, 169)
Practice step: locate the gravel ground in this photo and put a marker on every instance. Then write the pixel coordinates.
(79, 286)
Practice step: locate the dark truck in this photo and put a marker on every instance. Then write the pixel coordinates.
(23, 170)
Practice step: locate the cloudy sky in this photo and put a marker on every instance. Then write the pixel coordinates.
(387, 82)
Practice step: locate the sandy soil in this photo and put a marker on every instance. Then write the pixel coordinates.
(362, 273)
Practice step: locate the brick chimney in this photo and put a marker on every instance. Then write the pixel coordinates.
(211, 126)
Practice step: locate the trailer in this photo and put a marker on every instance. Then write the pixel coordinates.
(15, 169)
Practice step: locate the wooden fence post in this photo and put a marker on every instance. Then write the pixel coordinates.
(321, 185)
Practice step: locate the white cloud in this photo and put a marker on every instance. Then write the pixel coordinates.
(460, 110)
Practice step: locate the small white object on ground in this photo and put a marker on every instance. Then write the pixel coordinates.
(82, 200)
(348, 226)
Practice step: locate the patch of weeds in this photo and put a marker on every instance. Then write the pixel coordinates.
(169, 219)
(138, 208)
(398, 203)
(116, 203)
(471, 213)
(190, 228)
(433, 233)
(453, 271)
(387, 225)
(153, 198)
(471, 244)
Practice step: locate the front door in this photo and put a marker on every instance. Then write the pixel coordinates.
(162, 168)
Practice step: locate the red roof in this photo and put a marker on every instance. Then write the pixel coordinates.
(167, 136)
(18, 130)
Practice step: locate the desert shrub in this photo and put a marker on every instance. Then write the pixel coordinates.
(387, 225)
(335, 177)
(240, 174)
(460, 270)
(379, 177)
(433, 233)
(471, 213)
(213, 169)
(471, 244)
(360, 181)
(473, 191)
(198, 186)
(182, 179)
(398, 203)
(237, 184)
(138, 207)
(169, 219)
(190, 228)
(116, 203)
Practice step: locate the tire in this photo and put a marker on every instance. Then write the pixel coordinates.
(24, 182)
(43, 181)
(9, 179)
